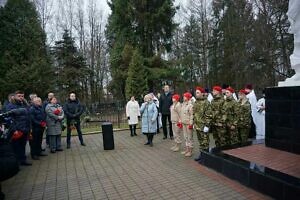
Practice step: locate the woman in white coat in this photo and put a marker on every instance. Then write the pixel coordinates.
(132, 113)
(261, 106)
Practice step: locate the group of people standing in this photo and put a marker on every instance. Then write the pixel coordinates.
(38, 117)
(229, 118)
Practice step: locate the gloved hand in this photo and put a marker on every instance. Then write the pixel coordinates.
(190, 126)
(43, 124)
(179, 125)
(205, 129)
(60, 117)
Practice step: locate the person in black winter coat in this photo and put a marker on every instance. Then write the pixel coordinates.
(38, 124)
(165, 102)
(73, 110)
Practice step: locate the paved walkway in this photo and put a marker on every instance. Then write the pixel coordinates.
(131, 171)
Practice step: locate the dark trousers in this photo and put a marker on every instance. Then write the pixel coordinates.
(252, 133)
(19, 147)
(36, 142)
(157, 124)
(132, 129)
(55, 142)
(47, 139)
(78, 129)
(164, 119)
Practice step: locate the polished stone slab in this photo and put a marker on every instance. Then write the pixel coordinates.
(268, 181)
(283, 118)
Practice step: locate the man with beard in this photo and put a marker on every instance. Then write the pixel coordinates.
(21, 126)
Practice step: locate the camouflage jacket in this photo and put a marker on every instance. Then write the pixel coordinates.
(244, 113)
(230, 114)
(202, 114)
(217, 111)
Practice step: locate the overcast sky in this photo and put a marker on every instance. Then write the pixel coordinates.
(54, 34)
(106, 9)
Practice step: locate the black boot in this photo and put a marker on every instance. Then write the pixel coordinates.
(198, 158)
(131, 131)
(134, 130)
(150, 140)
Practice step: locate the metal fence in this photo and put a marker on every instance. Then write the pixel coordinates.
(114, 112)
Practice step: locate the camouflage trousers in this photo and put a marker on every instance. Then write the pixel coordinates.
(220, 136)
(244, 134)
(203, 139)
(177, 133)
(233, 136)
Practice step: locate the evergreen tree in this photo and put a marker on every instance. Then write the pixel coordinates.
(70, 66)
(122, 59)
(136, 82)
(233, 34)
(153, 25)
(147, 25)
(24, 61)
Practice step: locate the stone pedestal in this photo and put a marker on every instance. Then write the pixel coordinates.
(283, 118)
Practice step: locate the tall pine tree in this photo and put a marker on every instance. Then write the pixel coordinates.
(24, 61)
(136, 82)
(147, 25)
(70, 66)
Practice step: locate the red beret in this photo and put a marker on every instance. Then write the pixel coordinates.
(243, 91)
(217, 88)
(176, 97)
(200, 89)
(230, 89)
(187, 95)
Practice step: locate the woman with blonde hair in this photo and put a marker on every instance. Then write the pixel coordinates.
(149, 114)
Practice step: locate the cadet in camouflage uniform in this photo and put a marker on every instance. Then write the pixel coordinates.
(218, 126)
(244, 113)
(202, 118)
(231, 117)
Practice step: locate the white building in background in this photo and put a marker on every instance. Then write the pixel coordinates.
(2, 2)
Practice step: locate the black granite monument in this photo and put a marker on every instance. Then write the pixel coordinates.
(283, 118)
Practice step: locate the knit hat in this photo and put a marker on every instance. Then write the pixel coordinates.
(217, 88)
(230, 89)
(200, 89)
(187, 95)
(176, 97)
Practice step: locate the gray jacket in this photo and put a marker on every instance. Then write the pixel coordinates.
(53, 121)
